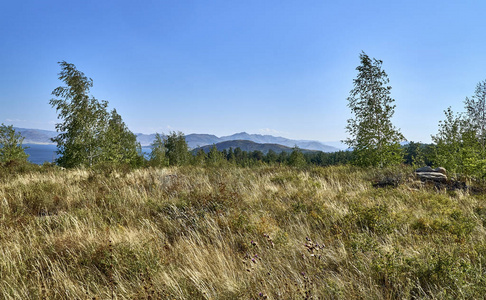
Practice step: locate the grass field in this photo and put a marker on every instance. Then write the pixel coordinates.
(238, 233)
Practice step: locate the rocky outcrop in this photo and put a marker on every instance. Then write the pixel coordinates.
(428, 174)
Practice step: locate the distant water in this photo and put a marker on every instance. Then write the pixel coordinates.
(38, 154)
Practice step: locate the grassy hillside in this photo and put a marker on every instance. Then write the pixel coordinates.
(235, 233)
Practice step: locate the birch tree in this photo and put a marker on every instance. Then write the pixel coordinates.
(84, 119)
(374, 139)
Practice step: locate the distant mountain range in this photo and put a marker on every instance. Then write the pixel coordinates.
(195, 140)
(37, 136)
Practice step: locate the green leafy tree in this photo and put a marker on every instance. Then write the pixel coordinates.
(200, 158)
(11, 145)
(231, 157)
(120, 144)
(297, 158)
(476, 114)
(157, 155)
(257, 155)
(282, 157)
(84, 119)
(414, 154)
(375, 141)
(240, 157)
(271, 157)
(176, 149)
(471, 155)
(88, 134)
(461, 140)
(215, 157)
(474, 136)
(449, 141)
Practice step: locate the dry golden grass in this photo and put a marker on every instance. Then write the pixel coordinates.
(237, 233)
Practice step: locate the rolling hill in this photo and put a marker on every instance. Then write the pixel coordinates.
(249, 146)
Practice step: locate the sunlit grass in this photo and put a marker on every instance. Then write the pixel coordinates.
(238, 233)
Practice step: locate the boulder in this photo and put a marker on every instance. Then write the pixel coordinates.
(428, 174)
(432, 176)
(424, 169)
(441, 170)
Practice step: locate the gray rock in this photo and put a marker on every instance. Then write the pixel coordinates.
(427, 173)
(432, 176)
(441, 170)
(424, 169)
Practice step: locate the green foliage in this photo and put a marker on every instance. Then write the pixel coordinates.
(461, 140)
(282, 157)
(11, 145)
(88, 134)
(157, 155)
(176, 149)
(448, 141)
(200, 158)
(297, 159)
(376, 219)
(419, 154)
(329, 159)
(375, 141)
(271, 157)
(215, 157)
(84, 119)
(476, 113)
(414, 154)
(121, 146)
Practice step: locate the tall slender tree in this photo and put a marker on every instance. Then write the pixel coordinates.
(449, 142)
(476, 114)
(88, 134)
(374, 139)
(157, 155)
(84, 119)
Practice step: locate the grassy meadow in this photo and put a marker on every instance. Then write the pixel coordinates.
(238, 233)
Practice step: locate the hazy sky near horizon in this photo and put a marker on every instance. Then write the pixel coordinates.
(269, 67)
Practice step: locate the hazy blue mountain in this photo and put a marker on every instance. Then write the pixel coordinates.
(36, 136)
(145, 139)
(194, 140)
(257, 138)
(248, 146)
(337, 144)
(270, 139)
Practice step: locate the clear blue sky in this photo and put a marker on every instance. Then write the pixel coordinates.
(221, 67)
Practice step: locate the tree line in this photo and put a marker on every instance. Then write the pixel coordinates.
(90, 135)
(165, 153)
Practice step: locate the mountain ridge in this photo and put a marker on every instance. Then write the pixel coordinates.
(194, 140)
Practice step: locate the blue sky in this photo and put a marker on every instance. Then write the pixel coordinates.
(220, 67)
